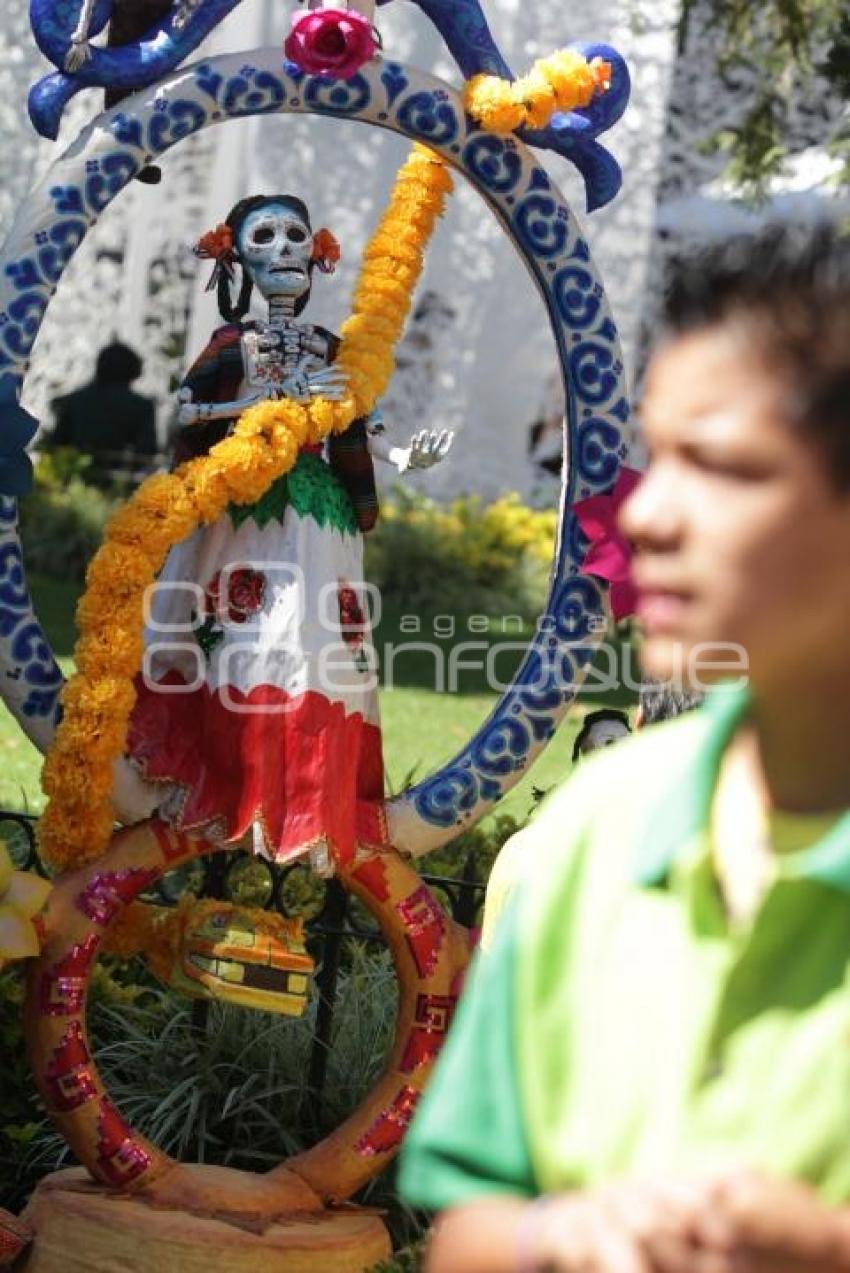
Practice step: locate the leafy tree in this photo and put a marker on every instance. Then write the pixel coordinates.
(798, 55)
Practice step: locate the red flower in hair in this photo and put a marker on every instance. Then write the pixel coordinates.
(326, 251)
(217, 245)
(333, 42)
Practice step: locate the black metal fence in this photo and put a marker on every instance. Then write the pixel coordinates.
(332, 916)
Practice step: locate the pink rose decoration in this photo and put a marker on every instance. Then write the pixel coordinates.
(330, 42)
(609, 556)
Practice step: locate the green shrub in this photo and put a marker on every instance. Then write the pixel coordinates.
(21, 1118)
(63, 518)
(407, 1260)
(465, 557)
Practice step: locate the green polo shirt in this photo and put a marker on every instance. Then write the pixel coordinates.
(619, 1025)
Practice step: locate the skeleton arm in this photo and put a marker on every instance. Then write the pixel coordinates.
(200, 412)
(301, 385)
(426, 448)
(80, 50)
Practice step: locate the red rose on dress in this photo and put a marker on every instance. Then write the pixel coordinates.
(246, 593)
(211, 596)
(330, 42)
(351, 619)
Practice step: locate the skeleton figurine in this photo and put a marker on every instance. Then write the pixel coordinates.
(258, 716)
(283, 358)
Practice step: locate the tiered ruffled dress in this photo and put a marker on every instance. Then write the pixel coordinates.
(257, 704)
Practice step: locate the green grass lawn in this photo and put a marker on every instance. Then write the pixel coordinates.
(422, 727)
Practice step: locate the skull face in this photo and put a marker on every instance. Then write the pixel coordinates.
(275, 246)
(604, 733)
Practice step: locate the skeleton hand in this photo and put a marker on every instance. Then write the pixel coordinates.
(426, 449)
(78, 54)
(188, 410)
(327, 382)
(80, 50)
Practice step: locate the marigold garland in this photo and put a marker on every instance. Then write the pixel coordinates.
(79, 819)
(565, 81)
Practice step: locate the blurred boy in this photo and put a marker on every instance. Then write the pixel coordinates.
(650, 1072)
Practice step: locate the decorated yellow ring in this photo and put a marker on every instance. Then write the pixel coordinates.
(429, 950)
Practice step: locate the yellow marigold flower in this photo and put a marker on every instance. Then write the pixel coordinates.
(563, 82)
(284, 448)
(114, 649)
(322, 415)
(22, 896)
(234, 454)
(374, 329)
(106, 696)
(98, 610)
(69, 843)
(207, 488)
(386, 245)
(120, 568)
(88, 780)
(257, 420)
(386, 268)
(491, 102)
(297, 418)
(538, 98)
(387, 287)
(161, 495)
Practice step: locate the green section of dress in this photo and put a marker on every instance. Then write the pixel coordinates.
(311, 489)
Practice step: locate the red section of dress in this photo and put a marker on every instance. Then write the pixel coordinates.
(300, 767)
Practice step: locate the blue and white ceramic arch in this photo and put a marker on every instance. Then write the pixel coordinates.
(108, 154)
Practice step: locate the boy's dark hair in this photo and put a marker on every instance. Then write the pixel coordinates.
(787, 287)
(595, 718)
(118, 364)
(663, 700)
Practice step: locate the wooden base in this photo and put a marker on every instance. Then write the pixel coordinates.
(84, 1229)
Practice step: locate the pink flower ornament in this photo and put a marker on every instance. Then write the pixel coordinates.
(330, 42)
(609, 556)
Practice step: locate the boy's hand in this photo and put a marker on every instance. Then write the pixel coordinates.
(781, 1224)
(634, 1227)
(734, 1222)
